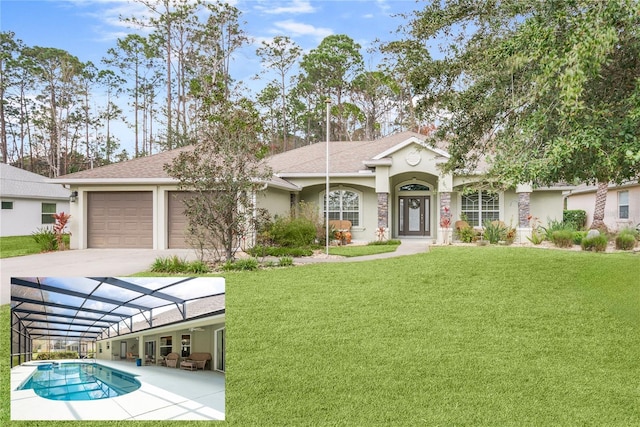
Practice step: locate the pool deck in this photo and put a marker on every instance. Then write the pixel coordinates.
(165, 394)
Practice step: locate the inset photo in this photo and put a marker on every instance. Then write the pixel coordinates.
(118, 348)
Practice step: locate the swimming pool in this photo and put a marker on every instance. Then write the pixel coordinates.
(79, 381)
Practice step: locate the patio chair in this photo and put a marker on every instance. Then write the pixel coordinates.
(195, 361)
(172, 360)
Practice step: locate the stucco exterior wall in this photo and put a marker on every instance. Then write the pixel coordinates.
(586, 201)
(547, 205)
(26, 215)
(276, 201)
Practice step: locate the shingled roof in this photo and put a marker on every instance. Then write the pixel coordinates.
(19, 183)
(346, 157)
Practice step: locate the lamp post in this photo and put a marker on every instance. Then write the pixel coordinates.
(328, 102)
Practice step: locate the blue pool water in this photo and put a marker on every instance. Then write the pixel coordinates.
(79, 381)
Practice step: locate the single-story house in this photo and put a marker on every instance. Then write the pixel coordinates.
(394, 184)
(28, 200)
(622, 208)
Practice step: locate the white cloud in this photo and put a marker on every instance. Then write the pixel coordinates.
(296, 29)
(297, 7)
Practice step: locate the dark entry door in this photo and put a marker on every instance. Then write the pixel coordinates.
(414, 216)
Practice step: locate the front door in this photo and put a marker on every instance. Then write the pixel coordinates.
(414, 216)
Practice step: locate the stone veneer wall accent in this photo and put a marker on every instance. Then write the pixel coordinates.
(383, 210)
(524, 209)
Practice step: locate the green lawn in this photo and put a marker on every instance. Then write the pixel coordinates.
(493, 336)
(18, 246)
(361, 250)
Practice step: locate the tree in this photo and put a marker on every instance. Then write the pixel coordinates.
(280, 55)
(223, 171)
(330, 68)
(548, 91)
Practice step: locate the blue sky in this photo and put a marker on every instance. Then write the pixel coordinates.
(87, 28)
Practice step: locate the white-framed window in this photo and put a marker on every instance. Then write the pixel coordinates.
(7, 205)
(344, 205)
(480, 206)
(623, 204)
(48, 209)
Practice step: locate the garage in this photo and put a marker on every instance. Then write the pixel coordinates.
(120, 219)
(177, 220)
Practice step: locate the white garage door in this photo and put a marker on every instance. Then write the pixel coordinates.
(120, 219)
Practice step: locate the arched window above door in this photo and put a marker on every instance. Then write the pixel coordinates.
(414, 187)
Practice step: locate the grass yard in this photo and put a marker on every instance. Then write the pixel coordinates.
(18, 246)
(361, 250)
(492, 336)
(13, 246)
(458, 336)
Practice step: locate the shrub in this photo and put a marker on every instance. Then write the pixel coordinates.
(277, 251)
(562, 238)
(176, 264)
(553, 226)
(293, 232)
(597, 243)
(248, 264)
(46, 239)
(466, 234)
(578, 236)
(577, 218)
(626, 239)
(494, 231)
(285, 261)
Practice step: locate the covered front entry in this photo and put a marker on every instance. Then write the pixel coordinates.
(413, 216)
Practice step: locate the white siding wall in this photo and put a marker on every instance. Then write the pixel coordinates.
(26, 215)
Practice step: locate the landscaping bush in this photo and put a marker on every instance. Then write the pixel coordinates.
(563, 238)
(494, 231)
(179, 265)
(626, 239)
(285, 261)
(293, 232)
(248, 264)
(576, 218)
(553, 226)
(57, 355)
(578, 236)
(466, 234)
(277, 251)
(46, 239)
(597, 243)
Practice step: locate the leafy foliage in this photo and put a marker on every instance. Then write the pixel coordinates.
(597, 243)
(293, 232)
(549, 91)
(46, 239)
(577, 217)
(222, 171)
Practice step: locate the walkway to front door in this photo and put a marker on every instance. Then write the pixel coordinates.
(414, 218)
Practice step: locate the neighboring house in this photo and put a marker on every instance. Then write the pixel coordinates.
(28, 201)
(393, 183)
(622, 208)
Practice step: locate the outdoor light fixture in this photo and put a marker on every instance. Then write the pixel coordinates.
(73, 197)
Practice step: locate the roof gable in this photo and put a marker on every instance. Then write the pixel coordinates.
(411, 141)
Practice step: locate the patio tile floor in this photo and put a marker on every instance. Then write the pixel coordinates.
(165, 394)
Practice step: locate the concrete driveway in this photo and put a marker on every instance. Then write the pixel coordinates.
(78, 263)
